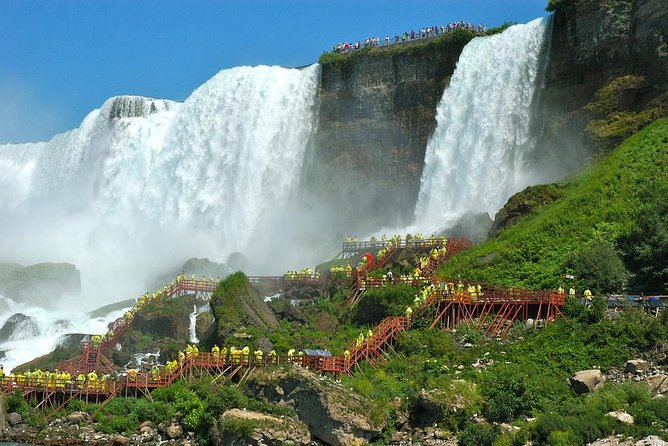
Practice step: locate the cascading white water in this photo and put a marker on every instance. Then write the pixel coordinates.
(44, 332)
(144, 183)
(192, 329)
(477, 157)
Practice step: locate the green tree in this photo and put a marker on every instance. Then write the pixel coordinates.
(646, 246)
(599, 267)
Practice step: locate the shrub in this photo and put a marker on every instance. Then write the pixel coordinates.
(238, 428)
(478, 434)
(646, 246)
(505, 393)
(599, 266)
(377, 304)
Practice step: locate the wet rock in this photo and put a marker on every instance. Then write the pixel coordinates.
(266, 430)
(19, 326)
(14, 418)
(587, 381)
(174, 431)
(636, 366)
(620, 416)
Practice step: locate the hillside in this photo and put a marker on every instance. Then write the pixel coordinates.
(607, 202)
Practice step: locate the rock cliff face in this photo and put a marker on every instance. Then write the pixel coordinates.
(594, 42)
(376, 114)
(377, 110)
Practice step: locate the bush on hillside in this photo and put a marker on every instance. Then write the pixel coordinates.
(379, 303)
(646, 246)
(599, 267)
(506, 395)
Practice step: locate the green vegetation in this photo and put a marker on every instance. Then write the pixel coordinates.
(526, 376)
(605, 204)
(195, 405)
(225, 303)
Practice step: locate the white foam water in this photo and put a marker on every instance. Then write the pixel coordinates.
(479, 153)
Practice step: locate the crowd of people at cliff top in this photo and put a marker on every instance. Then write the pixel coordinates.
(408, 36)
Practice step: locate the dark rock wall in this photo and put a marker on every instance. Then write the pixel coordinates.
(593, 42)
(377, 111)
(376, 114)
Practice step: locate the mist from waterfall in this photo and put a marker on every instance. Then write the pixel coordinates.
(144, 183)
(480, 153)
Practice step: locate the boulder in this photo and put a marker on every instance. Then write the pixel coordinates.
(14, 418)
(636, 366)
(334, 414)
(658, 384)
(587, 381)
(78, 417)
(620, 416)
(236, 427)
(174, 431)
(436, 404)
(121, 440)
(19, 326)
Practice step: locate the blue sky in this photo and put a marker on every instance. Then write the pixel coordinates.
(60, 59)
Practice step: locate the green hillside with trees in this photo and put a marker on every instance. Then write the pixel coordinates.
(609, 227)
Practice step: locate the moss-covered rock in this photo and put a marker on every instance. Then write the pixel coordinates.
(237, 306)
(524, 203)
(334, 414)
(243, 427)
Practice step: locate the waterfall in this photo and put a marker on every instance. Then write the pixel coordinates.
(479, 153)
(192, 328)
(145, 183)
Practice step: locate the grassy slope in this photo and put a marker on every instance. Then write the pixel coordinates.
(601, 200)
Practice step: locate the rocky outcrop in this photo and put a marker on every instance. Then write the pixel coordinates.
(334, 414)
(376, 113)
(436, 404)
(238, 306)
(522, 204)
(586, 381)
(165, 318)
(594, 42)
(242, 427)
(41, 284)
(636, 366)
(621, 416)
(19, 326)
(658, 384)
